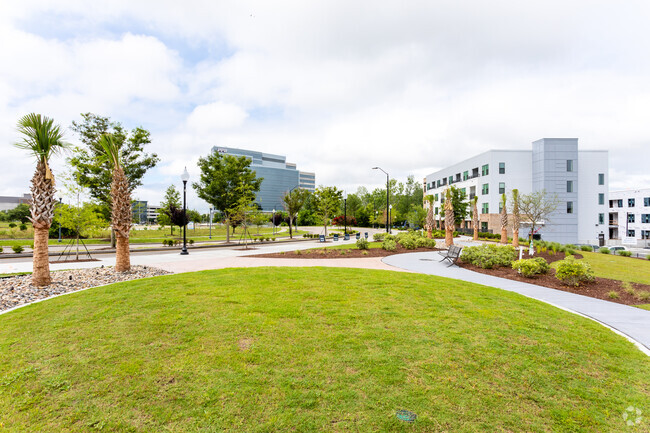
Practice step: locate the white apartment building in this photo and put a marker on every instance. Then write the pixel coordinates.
(579, 178)
(629, 217)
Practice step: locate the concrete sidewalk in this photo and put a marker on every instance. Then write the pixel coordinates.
(632, 322)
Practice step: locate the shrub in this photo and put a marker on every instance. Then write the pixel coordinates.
(570, 251)
(273, 239)
(12, 225)
(17, 249)
(613, 294)
(488, 256)
(585, 248)
(298, 252)
(407, 241)
(365, 253)
(191, 241)
(425, 242)
(1, 249)
(644, 295)
(362, 244)
(572, 272)
(625, 253)
(22, 227)
(389, 245)
(378, 237)
(531, 267)
(604, 250)
(164, 242)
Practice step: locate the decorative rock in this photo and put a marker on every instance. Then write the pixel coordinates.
(18, 290)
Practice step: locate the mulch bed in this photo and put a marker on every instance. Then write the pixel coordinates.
(599, 288)
(321, 253)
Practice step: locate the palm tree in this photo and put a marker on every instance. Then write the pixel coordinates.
(121, 215)
(449, 219)
(475, 217)
(504, 221)
(515, 218)
(43, 139)
(430, 219)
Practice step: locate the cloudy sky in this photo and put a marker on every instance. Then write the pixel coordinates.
(336, 86)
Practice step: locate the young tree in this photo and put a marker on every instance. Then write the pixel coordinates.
(416, 217)
(326, 203)
(515, 218)
(294, 201)
(449, 218)
(537, 207)
(43, 139)
(19, 213)
(172, 199)
(177, 216)
(226, 181)
(121, 215)
(459, 204)
(82, 220)
(504, 220)
(475, 221)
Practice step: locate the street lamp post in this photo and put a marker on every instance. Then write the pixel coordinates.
(273, 221)
(185, 177)
(387, 194)
(345, 211)
(60, 202)
(210, 223)
(390, 211)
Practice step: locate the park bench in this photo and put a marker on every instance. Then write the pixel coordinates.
(452, 254)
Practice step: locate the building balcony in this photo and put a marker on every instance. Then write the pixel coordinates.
(613, 223)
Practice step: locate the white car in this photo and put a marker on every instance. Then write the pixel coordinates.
(617, 248)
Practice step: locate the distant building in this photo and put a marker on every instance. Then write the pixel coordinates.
(8, 203)
(152, 213)
(579, 179)
(629, 217)
(279, 176)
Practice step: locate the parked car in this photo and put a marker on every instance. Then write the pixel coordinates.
(618, 248)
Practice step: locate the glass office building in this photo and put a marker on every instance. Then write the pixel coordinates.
(279, 176)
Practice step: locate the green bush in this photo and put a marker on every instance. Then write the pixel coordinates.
(1, 249)
(22, 227)
(18, 249)
(389, 245)
(570, 251)
(531, 267)
(489, 256)
(407, 241)
(572, 272)
(585, 248)
(378, 237)
(362, 244)
(425, 242)
(191, 241)
(624, 253)
(164, 242)
(613, 294)
(12, 225)
(604, 250)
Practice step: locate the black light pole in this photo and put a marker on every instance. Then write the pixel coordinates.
(387, 195)
(210, 223)
(184, 177)
(60, 201)
(345, 212)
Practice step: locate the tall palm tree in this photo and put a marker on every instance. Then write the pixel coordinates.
(430, 219)
(449, 219)
(121, 215)
(504, 221)
(475, 216)
(43, 139)
(515, 218)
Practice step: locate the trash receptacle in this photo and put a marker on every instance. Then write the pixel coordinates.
(322, 238)
(336, 237)
(366, 235)
(358, 236)
(346, 237)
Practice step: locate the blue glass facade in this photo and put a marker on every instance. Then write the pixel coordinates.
(279, 176)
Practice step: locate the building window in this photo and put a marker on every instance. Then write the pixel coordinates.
(569, 207)
(485, 208)
(569, 165)
(486, 188)
(601, 198)
(646, 201)
(569, 186)
(500, 206)
(630, 217)
(436, 197)
(465, 175)
(463, 191)
(485, 170)
(502, 168)
(601, 178)
(630, 202)
(619, 203)
(601, 218)
(631, 233)
(451, 180)
(645, 218)
(436, 210)
(502, 188)
(645, 234)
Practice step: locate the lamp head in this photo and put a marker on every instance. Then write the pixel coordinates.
(185, 176)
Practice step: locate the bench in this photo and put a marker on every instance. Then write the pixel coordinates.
(452, 254)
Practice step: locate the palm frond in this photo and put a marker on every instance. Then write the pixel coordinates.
(40, 136)
(111, 150)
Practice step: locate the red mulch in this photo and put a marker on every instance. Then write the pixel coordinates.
(323, 253)
(599, 288)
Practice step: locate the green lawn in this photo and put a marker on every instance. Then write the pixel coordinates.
(644, 306)
(349, 246)
(619, 267)
(282, 349)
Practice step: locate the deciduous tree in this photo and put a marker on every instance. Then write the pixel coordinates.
(537, 207)
(294, 201)
(326, 203)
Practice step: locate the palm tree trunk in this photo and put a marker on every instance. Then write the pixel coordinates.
(41, 276)
(122, 255)
(504, 236)
(515, 238)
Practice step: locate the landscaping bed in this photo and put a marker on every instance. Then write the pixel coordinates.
(600, 288)
(340, 253)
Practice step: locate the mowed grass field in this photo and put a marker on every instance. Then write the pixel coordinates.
(286, 349)
(621, 268)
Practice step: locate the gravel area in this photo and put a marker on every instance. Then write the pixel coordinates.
(15, 291)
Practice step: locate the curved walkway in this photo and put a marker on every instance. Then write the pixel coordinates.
(631, 322)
